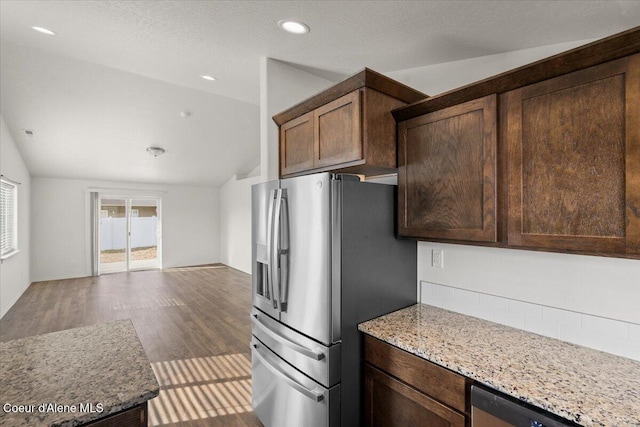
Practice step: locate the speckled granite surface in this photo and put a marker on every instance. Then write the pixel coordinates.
(589, 387)
(102, 364)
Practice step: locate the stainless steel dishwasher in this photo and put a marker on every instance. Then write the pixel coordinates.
(489, 409)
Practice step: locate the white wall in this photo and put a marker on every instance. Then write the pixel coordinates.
(439, 78)
(14, 271)
(598, 287)
(235, 222)
(281, 86)
(60, 225)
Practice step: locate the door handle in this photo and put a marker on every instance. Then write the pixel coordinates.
(309, 352)
(284, 254)
(275, 253)
(270, 238)
(311, 394)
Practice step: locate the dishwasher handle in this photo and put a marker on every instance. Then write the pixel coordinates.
(511, 412)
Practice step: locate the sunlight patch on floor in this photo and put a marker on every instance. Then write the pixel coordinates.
(148, 303)
(200, 388)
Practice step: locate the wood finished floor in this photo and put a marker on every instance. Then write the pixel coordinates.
(193, 323)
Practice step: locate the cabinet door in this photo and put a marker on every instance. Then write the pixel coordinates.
(447, 173)
(574, 161)
(337, 131)
(391, 403)
(134, 417)
(296, 145)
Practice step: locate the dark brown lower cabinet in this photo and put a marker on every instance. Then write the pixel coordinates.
(133, 417)
(391, 403)
(401, 389)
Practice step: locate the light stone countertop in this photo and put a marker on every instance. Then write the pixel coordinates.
(101, 364)
(587, 386)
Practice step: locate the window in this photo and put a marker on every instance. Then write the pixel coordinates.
(8, 218)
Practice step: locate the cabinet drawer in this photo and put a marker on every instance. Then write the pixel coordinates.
(448, 387)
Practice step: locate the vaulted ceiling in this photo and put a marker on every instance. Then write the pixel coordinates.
(117, 75)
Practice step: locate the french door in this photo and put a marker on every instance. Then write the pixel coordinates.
(129, 234)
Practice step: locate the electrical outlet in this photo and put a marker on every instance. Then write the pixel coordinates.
(437, 258)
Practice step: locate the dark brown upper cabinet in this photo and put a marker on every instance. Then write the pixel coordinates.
(545, 156)
(347, 128)
(447, 173)
(574, 160)
(296, 144)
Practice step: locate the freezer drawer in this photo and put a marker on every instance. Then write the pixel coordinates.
(284, 397)
(315, 360)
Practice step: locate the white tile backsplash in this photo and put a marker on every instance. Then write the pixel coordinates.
(599, 325)
(492, 302)
(634, 333)
(562, 317)
(525, 309)
(612, 336)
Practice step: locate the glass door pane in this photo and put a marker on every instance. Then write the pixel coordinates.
(113, 235)
(144, 234)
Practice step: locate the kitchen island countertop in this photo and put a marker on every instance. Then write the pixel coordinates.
(587, 386)
(80, 375)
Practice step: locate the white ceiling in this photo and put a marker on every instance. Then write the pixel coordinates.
(115, 78)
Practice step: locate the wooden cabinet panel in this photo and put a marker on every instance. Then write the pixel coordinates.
(379, 128)
(337, 131)
(133, 417)
(296, 144)
(390, 403)
(572, 168)
(447, 173)
(449, 387)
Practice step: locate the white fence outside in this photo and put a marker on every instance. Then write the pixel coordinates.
(113, 233)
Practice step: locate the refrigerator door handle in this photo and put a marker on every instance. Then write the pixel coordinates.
(284, 254)
(312, 394)
(269, 248)
(313, 354)
(275, 250)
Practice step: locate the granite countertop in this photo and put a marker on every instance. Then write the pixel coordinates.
(102, 365)
(587, 386)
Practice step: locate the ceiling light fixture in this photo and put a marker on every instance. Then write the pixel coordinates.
(155, 151)
(294, 27)
(45, 31)
(207, 77)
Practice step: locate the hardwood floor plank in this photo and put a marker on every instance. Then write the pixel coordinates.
(192, 322)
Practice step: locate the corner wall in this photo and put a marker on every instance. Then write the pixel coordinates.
(281, 86)
(15, 275)
(235, 222)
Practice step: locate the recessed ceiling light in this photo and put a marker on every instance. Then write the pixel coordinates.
(44, 31)
(293, 27)
(210, 78)
(155, 151)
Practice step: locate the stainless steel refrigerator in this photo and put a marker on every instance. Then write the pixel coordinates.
(325, 258)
